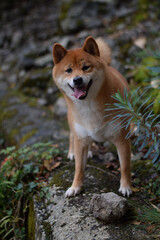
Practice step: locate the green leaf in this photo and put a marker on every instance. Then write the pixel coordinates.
(32, 185)
(20, 186)
(154, 69)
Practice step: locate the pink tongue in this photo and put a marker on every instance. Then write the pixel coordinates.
(78, 93)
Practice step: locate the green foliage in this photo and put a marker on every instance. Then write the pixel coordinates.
(124, 112)
(20, 178)
(137, 107)
(148, 214)
(142, 73)
(147, 76)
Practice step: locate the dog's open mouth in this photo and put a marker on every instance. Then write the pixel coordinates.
(81, 92)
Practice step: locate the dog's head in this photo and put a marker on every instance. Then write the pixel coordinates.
(78, 73)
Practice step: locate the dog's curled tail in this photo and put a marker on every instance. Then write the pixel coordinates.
(105, 51)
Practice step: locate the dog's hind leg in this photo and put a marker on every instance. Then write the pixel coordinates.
(90, 154)
(71, 147)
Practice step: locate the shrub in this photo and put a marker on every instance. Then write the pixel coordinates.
(22, 174)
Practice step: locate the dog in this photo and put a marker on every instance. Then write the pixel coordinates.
(87, 82)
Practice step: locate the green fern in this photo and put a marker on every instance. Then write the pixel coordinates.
(137, 107)
(124, 111)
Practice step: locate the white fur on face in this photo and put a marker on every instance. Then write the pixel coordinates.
(97, 78)
(85, 78)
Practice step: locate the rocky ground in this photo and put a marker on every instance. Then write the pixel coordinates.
(32, 108)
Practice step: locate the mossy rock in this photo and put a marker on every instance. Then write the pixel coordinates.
(38, 78)
(31, 222)
(23, 122)
(66, 5)
(142, 12)
(142, 167)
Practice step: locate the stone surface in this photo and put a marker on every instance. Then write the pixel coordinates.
(61, 218)
(28, 31)
(109, 156)
(44, 60)
(60, 107)
(108, 207)
(25, 123)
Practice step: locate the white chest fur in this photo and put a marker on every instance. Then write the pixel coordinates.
(89, 121)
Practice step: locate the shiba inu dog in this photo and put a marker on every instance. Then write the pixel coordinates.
(87, 81)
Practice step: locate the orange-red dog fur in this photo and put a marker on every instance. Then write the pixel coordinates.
(87, 81)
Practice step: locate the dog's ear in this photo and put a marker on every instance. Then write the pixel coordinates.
(91, 46)
(59, 53)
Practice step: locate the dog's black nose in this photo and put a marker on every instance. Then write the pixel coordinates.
(78, 81)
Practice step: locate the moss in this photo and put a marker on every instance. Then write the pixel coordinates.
(142, 13)
(124, 47)
(65, 8)
(32, 102)
(38, 78)
(31, 222)
(59, 178)
(27, 136)
(47, 229)
(142, 167)
(8, 114)
(156, 106)
(141, 73)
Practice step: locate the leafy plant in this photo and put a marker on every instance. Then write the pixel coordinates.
(22, 174)
(147, 214)
(137, 109)
(124, 112)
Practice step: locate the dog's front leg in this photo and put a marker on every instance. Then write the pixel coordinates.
(124, 153)
(81, 151)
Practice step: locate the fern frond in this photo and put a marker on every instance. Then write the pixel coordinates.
(125, 111)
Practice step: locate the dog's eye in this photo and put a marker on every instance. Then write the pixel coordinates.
(85, 68)
(69, 70)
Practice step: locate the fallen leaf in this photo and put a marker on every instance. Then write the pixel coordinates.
(140, 42)
(135, 189)
(51, 164)
(150, 229)
(111, 166)
(154, 206)
(134, 222)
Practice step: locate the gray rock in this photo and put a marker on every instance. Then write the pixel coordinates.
(2, 38)
(69, 25)
(26, 123)
(12, 79)
(44, 60)
(17, 39)
(137, 156)
(37, 78)
(5, 67)
(26, 63)
(42, 101)
(108, 207)
(65, 41)
(60, 107)
(109, 156)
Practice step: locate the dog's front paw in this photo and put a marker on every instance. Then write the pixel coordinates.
(126, 191)
(72, 191)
